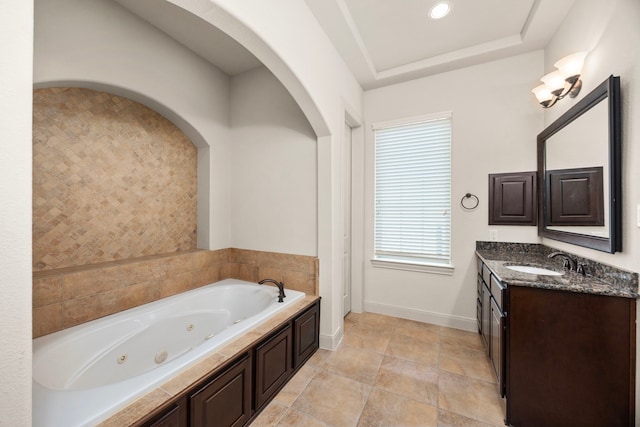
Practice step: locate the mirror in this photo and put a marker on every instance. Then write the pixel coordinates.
(579, 172)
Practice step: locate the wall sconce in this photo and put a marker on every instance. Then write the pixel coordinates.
(562, 82)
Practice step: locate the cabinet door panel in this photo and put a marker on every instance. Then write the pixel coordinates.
(486, 317)
(306, 329)
(226, 400)
(570, 359)
(273, 365)
(497, 345)
(479, 314)
(173, 417)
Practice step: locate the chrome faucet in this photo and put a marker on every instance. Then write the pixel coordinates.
(568, 263)
(280, 286)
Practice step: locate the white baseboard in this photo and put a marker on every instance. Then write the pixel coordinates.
(457, 322)
(331, 342)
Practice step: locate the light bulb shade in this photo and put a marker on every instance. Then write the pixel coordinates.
(571, 66)
(554, 81)
(543, 93)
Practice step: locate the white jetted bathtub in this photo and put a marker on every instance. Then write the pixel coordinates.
(84, 374)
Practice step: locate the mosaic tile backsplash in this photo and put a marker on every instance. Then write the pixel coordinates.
(112, 180)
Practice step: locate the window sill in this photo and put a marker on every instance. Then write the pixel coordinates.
(443, 269)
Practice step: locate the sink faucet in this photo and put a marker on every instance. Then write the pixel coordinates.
(568, 263)
(280, 286)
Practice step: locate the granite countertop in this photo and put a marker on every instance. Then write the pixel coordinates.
(600, 279)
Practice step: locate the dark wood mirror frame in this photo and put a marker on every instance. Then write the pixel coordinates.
(608, 90)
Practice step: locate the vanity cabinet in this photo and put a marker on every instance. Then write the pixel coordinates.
(492, 321)
(571, 359)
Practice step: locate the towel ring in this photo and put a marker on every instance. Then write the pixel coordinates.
(469, 196)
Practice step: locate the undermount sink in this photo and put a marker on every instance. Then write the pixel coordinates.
(533, 270)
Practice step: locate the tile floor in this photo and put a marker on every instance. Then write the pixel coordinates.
(391, 372)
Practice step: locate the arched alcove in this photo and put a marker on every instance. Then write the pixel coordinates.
(112, 180)
(139, 59)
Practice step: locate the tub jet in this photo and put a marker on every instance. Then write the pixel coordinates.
(161, 357)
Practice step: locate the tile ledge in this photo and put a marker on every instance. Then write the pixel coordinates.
(67, 270)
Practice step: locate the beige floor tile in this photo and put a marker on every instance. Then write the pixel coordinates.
(464, 361)
(409, 379)
(353, 317)
(450, 419)
(384, 324)
(418, 330)
(409, 348)
(369, 332)
(318, 358)
(360, 365)
(349, 321)
(270, 416)
(333, 399)
(392, 372)
(469, 397)
(385, 409)
(296, 385)
(371, 341)
(460, 338)
(295, 418)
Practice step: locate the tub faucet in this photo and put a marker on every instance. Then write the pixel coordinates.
(568, 263)
(280, 286)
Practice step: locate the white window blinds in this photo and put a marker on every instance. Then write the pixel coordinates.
(413, 191)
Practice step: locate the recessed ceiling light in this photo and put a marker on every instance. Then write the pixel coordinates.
(440, 10)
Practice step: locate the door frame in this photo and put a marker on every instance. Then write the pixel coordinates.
(357, 208)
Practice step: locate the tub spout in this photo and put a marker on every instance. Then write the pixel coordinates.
(280, 286)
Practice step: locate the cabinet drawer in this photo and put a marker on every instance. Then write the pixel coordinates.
(486, 274)
(498, 290)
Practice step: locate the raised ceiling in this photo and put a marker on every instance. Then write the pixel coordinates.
(383, 41)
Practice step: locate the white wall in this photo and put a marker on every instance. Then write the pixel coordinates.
(495, 123)
(101, 45)
(16, 41)
(273, 166)
(610, 31)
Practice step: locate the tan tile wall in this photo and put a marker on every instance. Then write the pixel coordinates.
(70, 296)
(297, 272)
(112, 180)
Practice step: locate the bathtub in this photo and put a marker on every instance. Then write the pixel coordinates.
(84, 374)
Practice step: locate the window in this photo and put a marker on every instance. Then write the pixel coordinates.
(413, 194)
